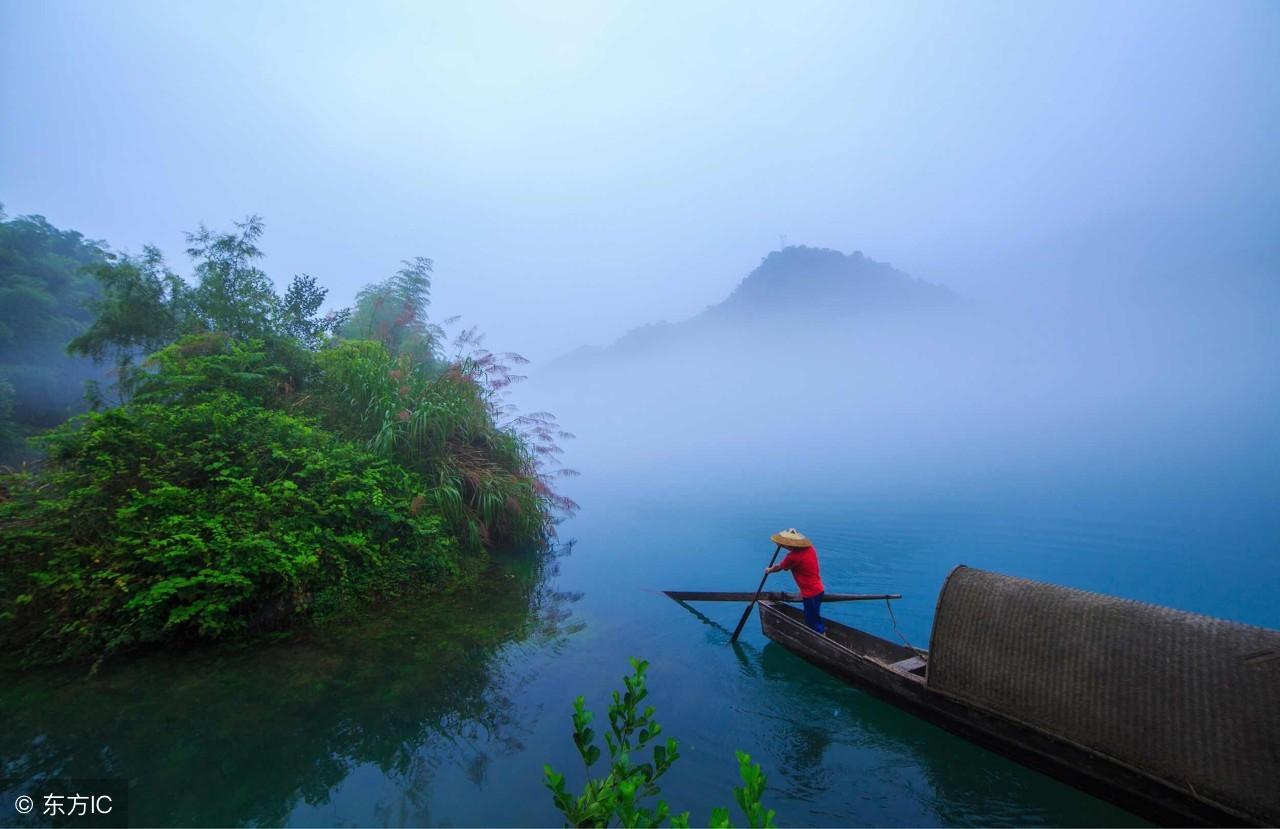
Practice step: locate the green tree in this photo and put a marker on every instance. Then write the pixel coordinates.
(43, 288)
(298, 314)
(394, 313)
(232, 295)
(43, 294)
(143, 306)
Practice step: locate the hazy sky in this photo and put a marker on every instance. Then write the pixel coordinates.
(576, 169)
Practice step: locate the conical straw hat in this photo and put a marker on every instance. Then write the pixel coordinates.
(791, 538)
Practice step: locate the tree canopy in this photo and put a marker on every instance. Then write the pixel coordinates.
(394, 313)
(45, 291)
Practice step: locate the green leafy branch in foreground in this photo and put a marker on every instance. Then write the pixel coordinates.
(616, 796)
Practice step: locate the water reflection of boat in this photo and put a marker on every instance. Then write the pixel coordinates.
(873, 763)
(1171, 715)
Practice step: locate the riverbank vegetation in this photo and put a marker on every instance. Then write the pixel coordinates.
(249, 463)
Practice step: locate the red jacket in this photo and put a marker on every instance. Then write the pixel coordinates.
(803, 565)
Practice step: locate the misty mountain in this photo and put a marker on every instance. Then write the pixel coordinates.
(820, 287)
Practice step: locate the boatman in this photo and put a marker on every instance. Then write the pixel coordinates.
(802, 560)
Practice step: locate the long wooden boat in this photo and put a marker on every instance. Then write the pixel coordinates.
(1171, 715)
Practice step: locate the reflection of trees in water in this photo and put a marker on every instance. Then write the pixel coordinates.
(233, 737)
(954, 782)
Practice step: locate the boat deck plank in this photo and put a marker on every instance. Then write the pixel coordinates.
(913, 663)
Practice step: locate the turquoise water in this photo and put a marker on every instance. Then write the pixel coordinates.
(443, 712)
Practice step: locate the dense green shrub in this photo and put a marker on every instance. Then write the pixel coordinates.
(258, 469)
(178, 522)
(203, 365)
(440, 425)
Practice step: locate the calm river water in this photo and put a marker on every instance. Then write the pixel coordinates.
(444, 712)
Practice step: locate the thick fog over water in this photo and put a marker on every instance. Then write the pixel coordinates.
(958, 397)
(1118, 437)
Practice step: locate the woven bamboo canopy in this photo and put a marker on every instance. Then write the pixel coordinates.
(1189, 699)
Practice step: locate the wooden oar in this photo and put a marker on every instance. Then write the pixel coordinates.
(747, 612)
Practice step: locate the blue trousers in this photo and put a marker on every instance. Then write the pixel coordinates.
(812, 615)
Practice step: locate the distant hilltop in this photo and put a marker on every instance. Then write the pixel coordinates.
(822, 287)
